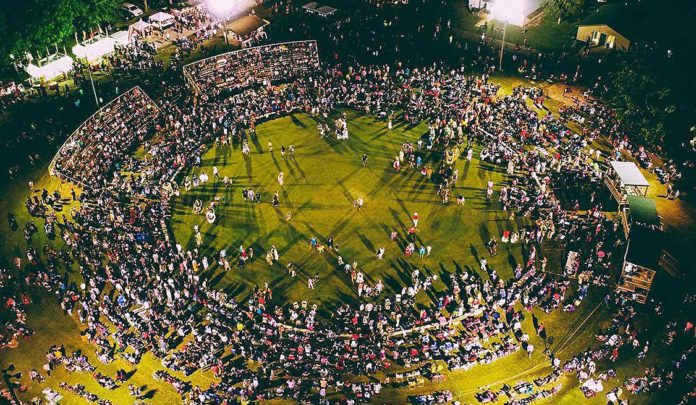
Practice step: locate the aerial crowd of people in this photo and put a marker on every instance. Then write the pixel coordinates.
(143, 292)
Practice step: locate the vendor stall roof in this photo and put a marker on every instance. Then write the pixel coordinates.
(50, 67)
(311, 6)
(161, 16)
(325, 11)
(644, 247)
(643, 211)
(246, 25)
(139, 25)
(94, 48)
(121, 37)
(629, 174)
(161, 19)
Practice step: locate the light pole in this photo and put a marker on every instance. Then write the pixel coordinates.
(508, 11)
(502, 47)
(94, 90)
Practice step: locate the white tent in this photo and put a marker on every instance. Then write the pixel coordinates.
(139, 26)
(121, 37)
(95, 48)
(50, 67)
(161, 20)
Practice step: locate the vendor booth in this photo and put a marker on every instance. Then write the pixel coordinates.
(624, 179)
(140, 28)
(121, 38)
(322, 11)
(50, 67)
(95, 48)
(161, 20)
(245, 29)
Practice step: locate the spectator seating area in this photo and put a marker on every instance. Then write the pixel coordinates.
(95, 149)
(245, 67)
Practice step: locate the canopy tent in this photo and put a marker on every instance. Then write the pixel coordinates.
(246, 25)
(310, 7)
(325, 11)
(643, 212)
(94, 48)
(161, 20)
(629, 174)
(245, 29)
(121, 38)
(139, 26)
(50, 67)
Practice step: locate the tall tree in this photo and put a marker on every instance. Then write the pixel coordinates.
(32, 26)
(565, 9)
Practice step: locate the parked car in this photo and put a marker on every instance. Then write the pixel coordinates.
(131, 10)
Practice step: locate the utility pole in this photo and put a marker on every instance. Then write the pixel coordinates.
(91, 80)
(502, 47)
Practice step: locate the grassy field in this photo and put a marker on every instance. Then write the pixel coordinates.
(320, 185)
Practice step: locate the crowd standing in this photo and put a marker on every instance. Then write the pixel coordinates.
(142, 292)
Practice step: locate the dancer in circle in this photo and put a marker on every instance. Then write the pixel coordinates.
(210, 215)
(197, 206)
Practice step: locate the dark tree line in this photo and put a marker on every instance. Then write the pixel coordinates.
(34, 25)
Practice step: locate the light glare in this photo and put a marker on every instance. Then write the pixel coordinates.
(510, 11)
(222, 8)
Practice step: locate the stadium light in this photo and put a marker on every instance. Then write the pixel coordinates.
(508, 11)
(222, 8)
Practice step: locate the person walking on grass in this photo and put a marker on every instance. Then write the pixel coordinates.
(364, 159)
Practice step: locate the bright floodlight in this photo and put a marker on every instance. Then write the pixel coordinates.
(510, 11)
(222, 8)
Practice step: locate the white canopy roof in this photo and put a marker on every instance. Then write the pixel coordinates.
(120, 37)
(160, 17)
(54, 66)
(94, 49)
(139, 25)
(629, 174)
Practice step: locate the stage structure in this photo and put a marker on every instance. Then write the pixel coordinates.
(624, 179)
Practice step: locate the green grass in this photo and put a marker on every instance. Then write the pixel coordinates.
(319, 189)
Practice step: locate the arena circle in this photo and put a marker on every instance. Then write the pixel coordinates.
(323, 178)
(449, 140)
